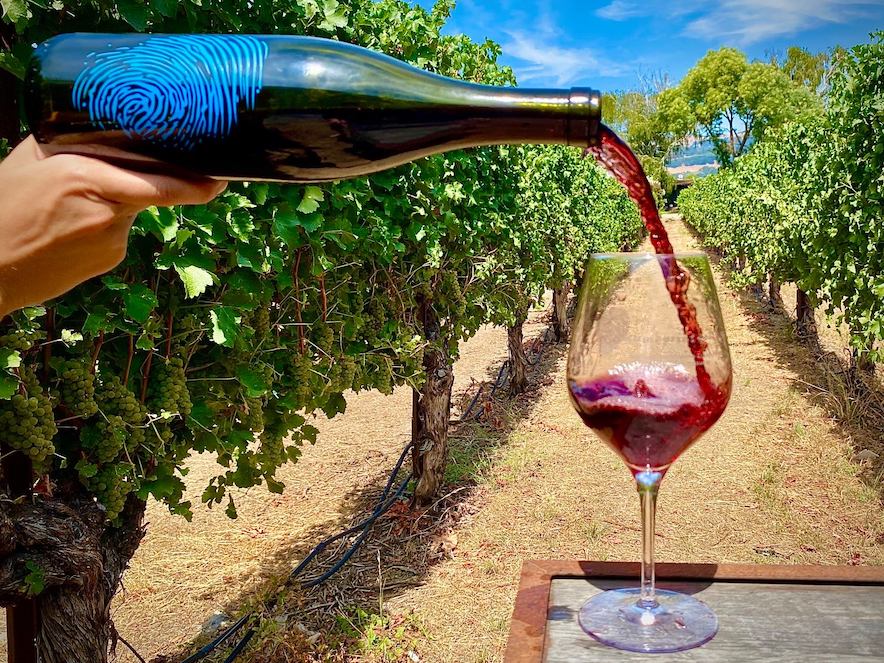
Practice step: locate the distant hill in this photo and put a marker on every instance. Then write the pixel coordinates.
(697, 158)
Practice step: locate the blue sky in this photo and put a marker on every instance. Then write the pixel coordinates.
(610, 44)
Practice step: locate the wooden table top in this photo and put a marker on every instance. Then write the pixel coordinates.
(766, 612)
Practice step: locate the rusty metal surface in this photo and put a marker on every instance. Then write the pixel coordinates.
(528, 628)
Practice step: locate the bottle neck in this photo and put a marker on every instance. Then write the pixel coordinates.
(500, 115)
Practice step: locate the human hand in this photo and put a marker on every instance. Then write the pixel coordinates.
(66, 218)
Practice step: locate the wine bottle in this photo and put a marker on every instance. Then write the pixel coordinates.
(261, 107)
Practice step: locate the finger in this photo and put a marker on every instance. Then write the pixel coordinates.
(133, 188)
(28, 151)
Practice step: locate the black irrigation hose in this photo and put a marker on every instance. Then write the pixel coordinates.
(469, 410)
(544, 343)
(501, 379)
(358, 542)
(217, 642)
(395, 471)
(384, 504)
(240, 646)
(380, 510)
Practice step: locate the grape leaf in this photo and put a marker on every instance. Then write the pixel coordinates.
(9, 358)
(313, 195)
(135, 12)
(140, 301)
(225, 324)
(8, 385)
(195, 279)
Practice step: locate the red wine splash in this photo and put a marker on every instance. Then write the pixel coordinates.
(618, 159)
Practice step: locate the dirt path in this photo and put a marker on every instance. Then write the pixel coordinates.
(772, 482)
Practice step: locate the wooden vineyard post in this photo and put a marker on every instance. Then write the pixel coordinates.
(22, 619)
(518, 360)
(776, 301)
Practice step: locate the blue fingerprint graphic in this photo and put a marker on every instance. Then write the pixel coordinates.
(175, 90)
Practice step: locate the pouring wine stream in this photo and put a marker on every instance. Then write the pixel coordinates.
(648, 413)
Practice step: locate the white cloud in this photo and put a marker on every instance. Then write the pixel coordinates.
(750, 21)
(545, 59)
(742, 21)
(620, 10)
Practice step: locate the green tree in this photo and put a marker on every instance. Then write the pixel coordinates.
(728, 101)
(805, 68)
(636, 116)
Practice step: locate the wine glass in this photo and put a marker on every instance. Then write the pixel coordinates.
(649, 371)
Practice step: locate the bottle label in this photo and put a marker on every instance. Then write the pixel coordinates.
(174, 90)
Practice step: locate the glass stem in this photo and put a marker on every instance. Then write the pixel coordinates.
(648, 483)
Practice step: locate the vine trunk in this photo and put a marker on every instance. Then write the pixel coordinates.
(432, 413)
(804, 320)
(518, 360)
(560, 312)
(774, 297)
(64, 544)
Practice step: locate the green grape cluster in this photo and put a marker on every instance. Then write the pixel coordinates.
(27, 422)
(425, 290)
(167, 391)
(302, 374)
(376, 318)
(105, 439)
(348, 372)
(261, 321)
(382, 378)
(252, 416)
(272, 449)
(20, 339)
(324, 338)
(452, 293)
(342, 374)
(77, 386)
(357, 302)
(110, 487)
(115, 399)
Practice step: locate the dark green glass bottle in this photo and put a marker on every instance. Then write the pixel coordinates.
(256, 107)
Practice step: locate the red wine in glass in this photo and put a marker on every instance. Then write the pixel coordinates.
(649, 414)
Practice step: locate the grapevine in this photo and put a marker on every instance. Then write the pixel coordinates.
(804, 204)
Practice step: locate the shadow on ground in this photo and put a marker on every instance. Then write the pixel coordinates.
(343, 617)
(852, 398)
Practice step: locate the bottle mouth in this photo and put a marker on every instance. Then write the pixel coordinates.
(585, 116)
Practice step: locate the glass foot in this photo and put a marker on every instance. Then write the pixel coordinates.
(675, 623)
